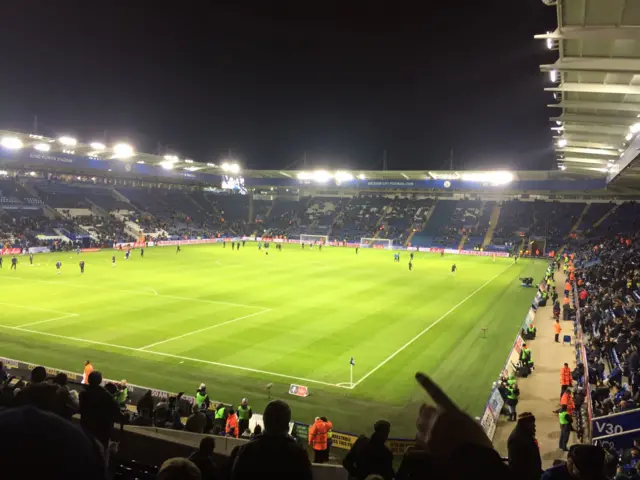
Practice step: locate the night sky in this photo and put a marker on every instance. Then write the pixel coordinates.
(269, 80)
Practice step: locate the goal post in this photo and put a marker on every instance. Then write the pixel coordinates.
(321, 239)
(385, 243)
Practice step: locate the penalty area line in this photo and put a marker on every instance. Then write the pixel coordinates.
(178, 357)
(453, 309)
(69, 315)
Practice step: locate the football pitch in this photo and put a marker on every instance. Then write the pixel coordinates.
(240, 320)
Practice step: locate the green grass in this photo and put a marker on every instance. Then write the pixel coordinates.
(301, 314)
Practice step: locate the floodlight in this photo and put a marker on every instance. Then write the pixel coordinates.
(549, 44)
(42, 147)
(168, 165)
(629, 136)
(123, 150)
(562, 142)
(4, 172)
(33, 174)
(188, 160)
(341, 176)
(493, 178)
(12, 143)
(140, 162)
(635, 128)
(225, 166)
(321, 176)
(97, 145)
(361, 176)
(234, 168)
(171, 158)
(68, 141)
(553, 75)
(211, 164)
(562, 167)
(304, 175)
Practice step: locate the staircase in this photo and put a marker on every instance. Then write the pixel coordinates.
(579, 221)
(493, 223)
(613, 210)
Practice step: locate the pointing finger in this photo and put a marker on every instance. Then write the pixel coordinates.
(435, 392)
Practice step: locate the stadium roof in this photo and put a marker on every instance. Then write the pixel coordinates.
(596, 86)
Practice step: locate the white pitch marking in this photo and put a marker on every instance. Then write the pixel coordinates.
(49, 320)
(390, 357)
(169, 355)
(153, 290)
(211, 327)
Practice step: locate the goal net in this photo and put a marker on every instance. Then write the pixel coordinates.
(320, 239)
(376, 243)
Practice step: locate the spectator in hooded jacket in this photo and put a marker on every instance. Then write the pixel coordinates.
(273, 454)
(524, 454)
(370, 456)
(98, 409)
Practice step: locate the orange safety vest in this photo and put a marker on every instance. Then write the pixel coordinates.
(565, 376)
(557, 328)
(232, 425)
(567, 286)
(565, 301)
(319, 435)
(568, 401)
(87, 370)
(572, 276)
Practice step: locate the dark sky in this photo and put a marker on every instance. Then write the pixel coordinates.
(270, 80)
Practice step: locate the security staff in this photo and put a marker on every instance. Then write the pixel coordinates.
(221, 416)
(565, 427)
(202, 398)
(244, 415)
(525, 357)
(513, 392)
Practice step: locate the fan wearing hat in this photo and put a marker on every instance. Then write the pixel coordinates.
(585, 462)
(524, 454)
(202, 398)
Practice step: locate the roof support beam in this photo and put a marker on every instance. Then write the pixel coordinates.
(580, 104)
(595, 88)
(604, 129)
(594, 64)
(590, 161)
(631, 32)
(596, 119)
(590, 151)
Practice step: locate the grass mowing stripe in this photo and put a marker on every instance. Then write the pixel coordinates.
(170, 355)
(38, 309)
(137, 292)
(211, 327)
(392, 356)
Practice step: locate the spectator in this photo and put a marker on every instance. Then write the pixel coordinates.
(318, 439)
(36, 445)
(178, 469)
(39, 393)
(274, 454)
(202, 397)
(371, 456)
(196, 421)
(3, 373)
(583, 462)
(256, 431)
(524, 454)
(98, 409)
(88, 368)
(145, 405)
(68, 402)
(203, 459)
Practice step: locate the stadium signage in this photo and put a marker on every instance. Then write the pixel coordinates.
(10, 251)
(298, 390)
(615, 424)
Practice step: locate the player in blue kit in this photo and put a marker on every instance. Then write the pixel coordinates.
(81, 266)
(126, 255)
(113, 261)
(58, 266)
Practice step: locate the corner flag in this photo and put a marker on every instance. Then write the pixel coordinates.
(352, 361)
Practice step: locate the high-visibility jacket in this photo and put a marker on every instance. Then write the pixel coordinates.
(201, 400)
(567, 287)
(565, 376)
(525, 355)
(245, 413)
(87, 370)
(557, 328)
(511, 392)
(567, 400)
(220, 412)
(564, 418)
(318, 434)
(232, 425)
